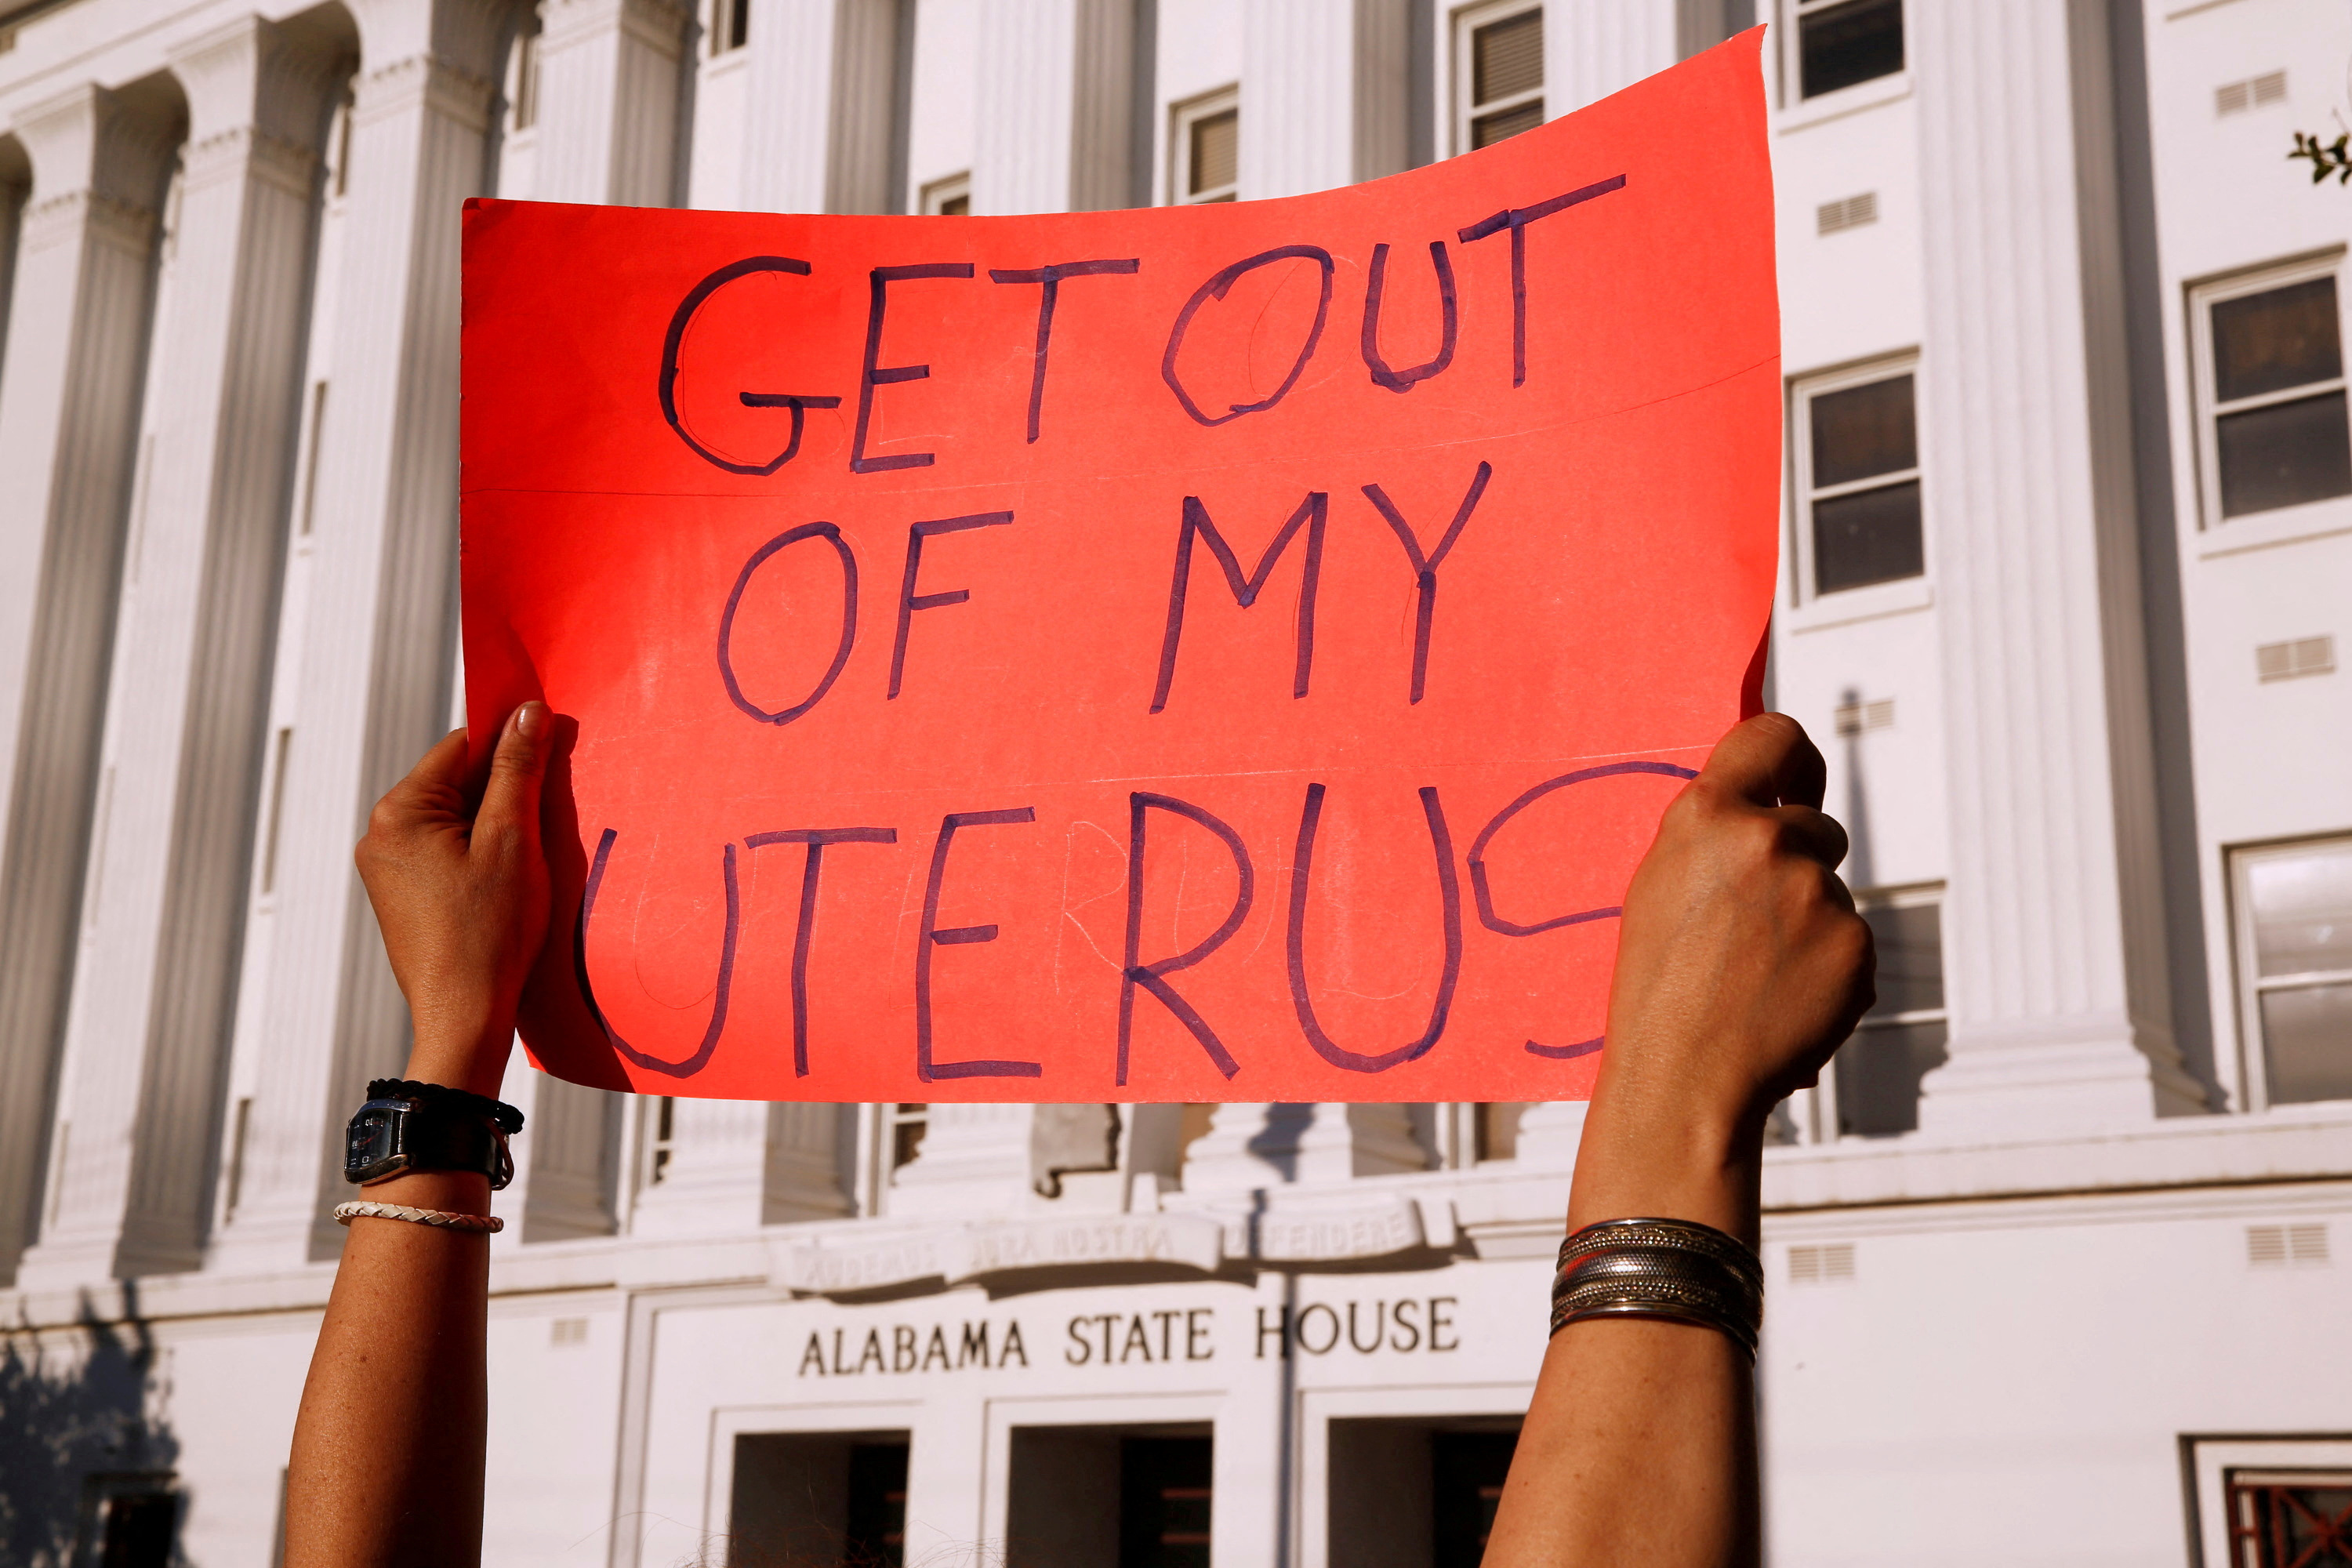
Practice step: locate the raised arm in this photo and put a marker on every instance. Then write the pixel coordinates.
(387, 1463)
(1741, 967)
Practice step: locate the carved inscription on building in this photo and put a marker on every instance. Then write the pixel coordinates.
(897, 1349)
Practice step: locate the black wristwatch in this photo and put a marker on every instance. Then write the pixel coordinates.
(407, 1126)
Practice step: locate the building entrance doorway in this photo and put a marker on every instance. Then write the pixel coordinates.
(818, 1500)
(1109, 1497)
(1417, 1492)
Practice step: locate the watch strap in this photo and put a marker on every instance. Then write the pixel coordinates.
(505, 1117)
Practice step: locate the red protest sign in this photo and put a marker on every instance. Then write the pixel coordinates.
(1226, 652)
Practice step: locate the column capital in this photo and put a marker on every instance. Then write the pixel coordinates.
(92, 153)
(658, 24)
(466, 38)
(252, 73)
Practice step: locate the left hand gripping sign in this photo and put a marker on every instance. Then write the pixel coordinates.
(1188, 654)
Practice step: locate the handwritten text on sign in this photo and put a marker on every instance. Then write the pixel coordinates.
(1231, 652)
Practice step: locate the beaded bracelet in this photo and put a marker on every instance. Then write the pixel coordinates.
(1667, 1269)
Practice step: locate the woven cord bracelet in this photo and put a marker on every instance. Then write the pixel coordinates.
(1660, 1268)
(443, 1219)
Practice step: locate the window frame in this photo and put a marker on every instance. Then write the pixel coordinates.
(521, 90)
(2326, 515)
(2210, 1461)
(1464, 25)
(1181, 117)
(1811, 1118)
(1871, 598)
(2253, 1050)
(1791, 62)
(729, 31)
(932, 200)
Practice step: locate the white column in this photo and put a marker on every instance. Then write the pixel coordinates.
(808, 1175)
(566, 1162)
(1595, 47)
(151, 1018)
(820, 87)
(68, 421)
(1249, 1146)
(974, 1158)
(717, 1169)
(2053, 923)
(376, 645)
(1323, 95)
(607, 132)
(1551, 1132)
(608, 77)
(1054, 105)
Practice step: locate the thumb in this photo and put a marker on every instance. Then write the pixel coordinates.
(510, 799)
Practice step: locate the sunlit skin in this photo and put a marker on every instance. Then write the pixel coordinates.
(1740, 967)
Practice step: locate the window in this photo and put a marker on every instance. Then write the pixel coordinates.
(2290, 1518)
(1204, 141)
(661, 1138)
(2293, 913)
(1844, 43)
(131, 1520)
(906, 1125)
(522, 91)
(1857, 472)
(2275, 432)
(950, 197)
(1495, 1130)
(1900, 1040)
(1499, 73)
(730, 25)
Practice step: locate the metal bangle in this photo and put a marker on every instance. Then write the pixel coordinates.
(1660, 1268)
(1680, 1234)
(443, 1219)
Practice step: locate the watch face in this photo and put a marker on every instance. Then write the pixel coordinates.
(372, 1143)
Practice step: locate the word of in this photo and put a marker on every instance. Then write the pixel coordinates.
(909, 1350)
(1135, 1340)
(1317, 1328)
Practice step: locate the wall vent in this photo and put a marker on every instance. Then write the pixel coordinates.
(1854, 717)
(2255, 92)
(1821, 1265)
(2289, 660)
(2287, 1246)
(568, 1332)
(1851, 212)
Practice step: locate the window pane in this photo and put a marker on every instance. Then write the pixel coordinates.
(1878, 1073)
(1216, 150)
(1846, 44)
(955, 206)
(2302, 909)
(2307, 1043)
(1487, 130)
(1910, 957)
(2292, 1521)
(878, 1504)
(1507, 57)
(907, 1133)
(2268, 342)
(2284, 455)
(1872, 536)
(1165, 1501)
(1864, 430)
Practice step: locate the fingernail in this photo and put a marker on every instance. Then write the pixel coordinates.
(530, 719)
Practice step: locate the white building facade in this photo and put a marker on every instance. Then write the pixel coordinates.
(2057, 1250)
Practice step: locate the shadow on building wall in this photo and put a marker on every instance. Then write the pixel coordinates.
(86, 1468)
